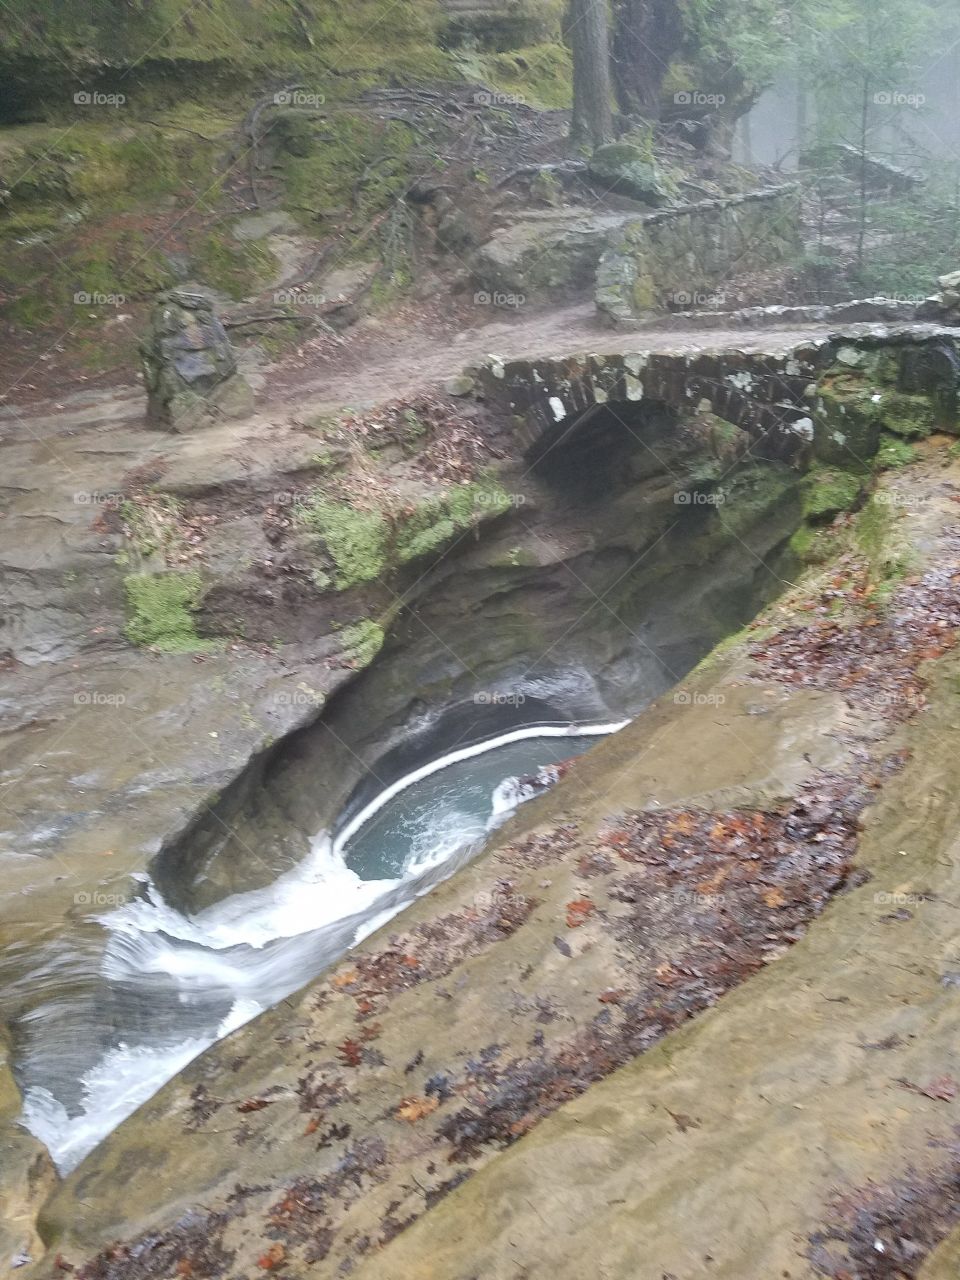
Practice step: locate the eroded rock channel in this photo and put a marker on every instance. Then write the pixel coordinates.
(620, 557)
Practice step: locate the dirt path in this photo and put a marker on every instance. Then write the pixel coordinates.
(416, 349)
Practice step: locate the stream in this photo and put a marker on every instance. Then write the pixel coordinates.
(168, 985)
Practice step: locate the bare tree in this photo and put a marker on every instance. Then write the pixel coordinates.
(590, 41)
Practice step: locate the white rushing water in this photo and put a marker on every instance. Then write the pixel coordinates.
(211, 972)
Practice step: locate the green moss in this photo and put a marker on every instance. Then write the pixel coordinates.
(541, 75)
(160, 611)
(223, 40)
(357, 541)
(848, 418)
(83, 278)
(436, 522)
(812, 546)
(330, 164)
(363, 641)
(889, 561)
(827, 491)
(234, 267)
(110, 159)
(893, 453)
(912, 416)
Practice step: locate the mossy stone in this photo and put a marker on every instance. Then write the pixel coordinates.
(828, 491)
(625, 168)
(847, 419)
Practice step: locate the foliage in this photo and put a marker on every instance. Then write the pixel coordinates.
(752, 34)
(356, 540)
(160, 608)
(363, 641)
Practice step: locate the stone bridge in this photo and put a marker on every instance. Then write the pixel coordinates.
(825, 397)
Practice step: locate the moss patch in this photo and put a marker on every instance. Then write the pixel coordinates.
(235, 268)
(894, 452)
(363, 641)
(541, 76)
(357, 541)
(330, 164)
(160, 609)
(219, 40)
(912, 416)
(827, 491)
(812, 546)
(888, 559)
(434, 523)
(364, 545)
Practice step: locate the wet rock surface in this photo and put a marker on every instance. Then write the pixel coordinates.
(152, 778)
(814, 1107)
(420, 1077)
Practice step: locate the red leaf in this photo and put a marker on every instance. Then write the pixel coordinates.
(273, 1258)
(351, 1053)
(577, 912)
(252, 1104)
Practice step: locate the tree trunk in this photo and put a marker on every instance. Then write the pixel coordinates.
(590, 41)
(864, 193)
(648, 35)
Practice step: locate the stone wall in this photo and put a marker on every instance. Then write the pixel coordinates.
(829, 398)
(678, 258)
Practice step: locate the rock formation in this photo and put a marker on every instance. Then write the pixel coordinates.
(189, 367)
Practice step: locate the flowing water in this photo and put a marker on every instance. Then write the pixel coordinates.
(169, 985)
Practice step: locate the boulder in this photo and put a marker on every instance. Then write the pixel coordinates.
(945, 305)
(189, 366)
(623, 168)
(544, 251)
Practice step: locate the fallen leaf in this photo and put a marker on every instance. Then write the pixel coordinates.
(273, 1258)
(578, 911)
(683, 1122)
(351, 1053)
(345, 979)
(414, 1109)
(252, 1104)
